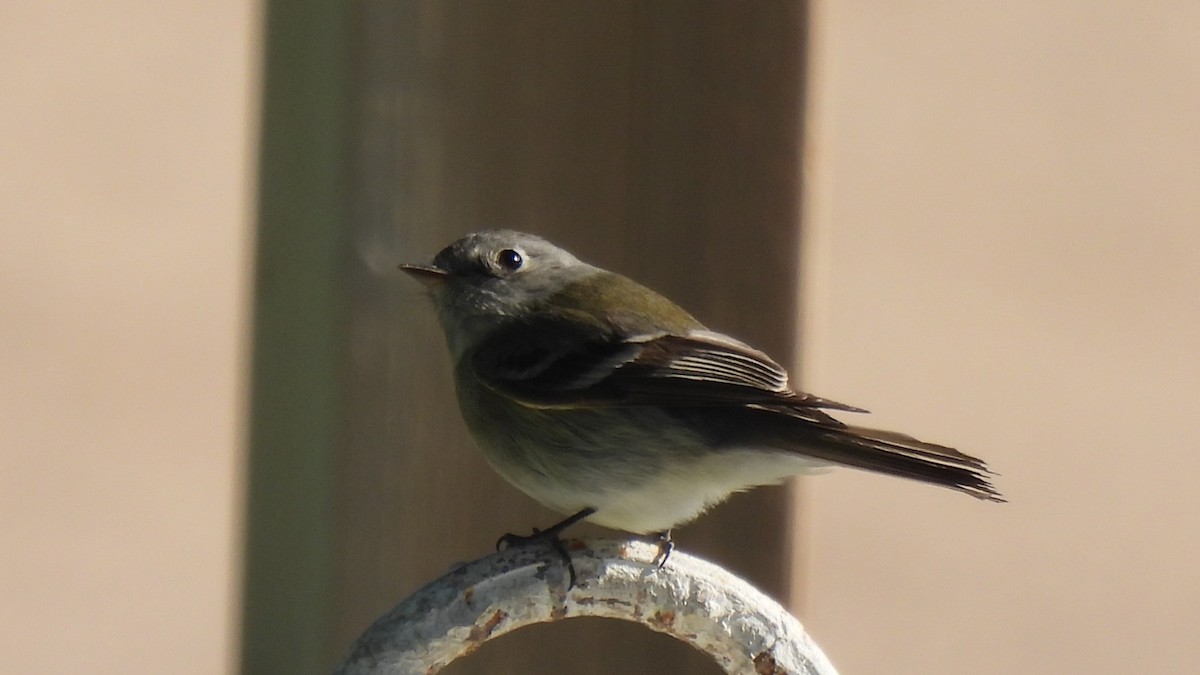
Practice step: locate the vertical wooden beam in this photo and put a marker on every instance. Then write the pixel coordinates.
(291, 531)
(658, 139)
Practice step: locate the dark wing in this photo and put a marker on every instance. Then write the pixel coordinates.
(575, 367)
(554, 369)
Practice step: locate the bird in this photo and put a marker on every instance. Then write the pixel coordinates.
(603, 400)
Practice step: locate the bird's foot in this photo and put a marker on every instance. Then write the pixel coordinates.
(665, 546)
(551, 536)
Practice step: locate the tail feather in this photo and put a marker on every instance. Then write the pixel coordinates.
(900, 455)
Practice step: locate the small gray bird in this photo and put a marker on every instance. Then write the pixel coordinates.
(602, 399)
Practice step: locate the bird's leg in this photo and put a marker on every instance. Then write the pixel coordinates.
(665, 546)
(551, 536)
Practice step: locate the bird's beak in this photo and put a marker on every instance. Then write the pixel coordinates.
(426, 274)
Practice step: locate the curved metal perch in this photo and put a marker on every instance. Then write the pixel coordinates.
(690, 599)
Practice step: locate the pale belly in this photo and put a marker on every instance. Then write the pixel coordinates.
(640, 469)
(668, 497)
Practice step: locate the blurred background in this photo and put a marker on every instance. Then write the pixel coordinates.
(228, 439)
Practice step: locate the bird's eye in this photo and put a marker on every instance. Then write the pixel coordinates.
(510, 260)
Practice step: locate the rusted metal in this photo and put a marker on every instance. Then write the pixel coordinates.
(690, 599)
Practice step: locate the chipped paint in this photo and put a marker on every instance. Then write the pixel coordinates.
(663, 619)
(764, 664)
(481, 632)
(690, 599)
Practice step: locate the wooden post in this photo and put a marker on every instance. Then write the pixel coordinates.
(660, 140)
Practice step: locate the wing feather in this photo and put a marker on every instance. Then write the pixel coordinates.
(551, 369)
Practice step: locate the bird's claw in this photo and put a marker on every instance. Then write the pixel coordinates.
(665, 546)
(551, 537)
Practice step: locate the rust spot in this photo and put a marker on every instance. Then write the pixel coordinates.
(664, 619)
(480, 633)
(576, 545)
(469, 594)
(638, 600)
(611, 602)
(764, 664)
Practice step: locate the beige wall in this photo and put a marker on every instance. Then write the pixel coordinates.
(1004, 253)
(125, 152)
